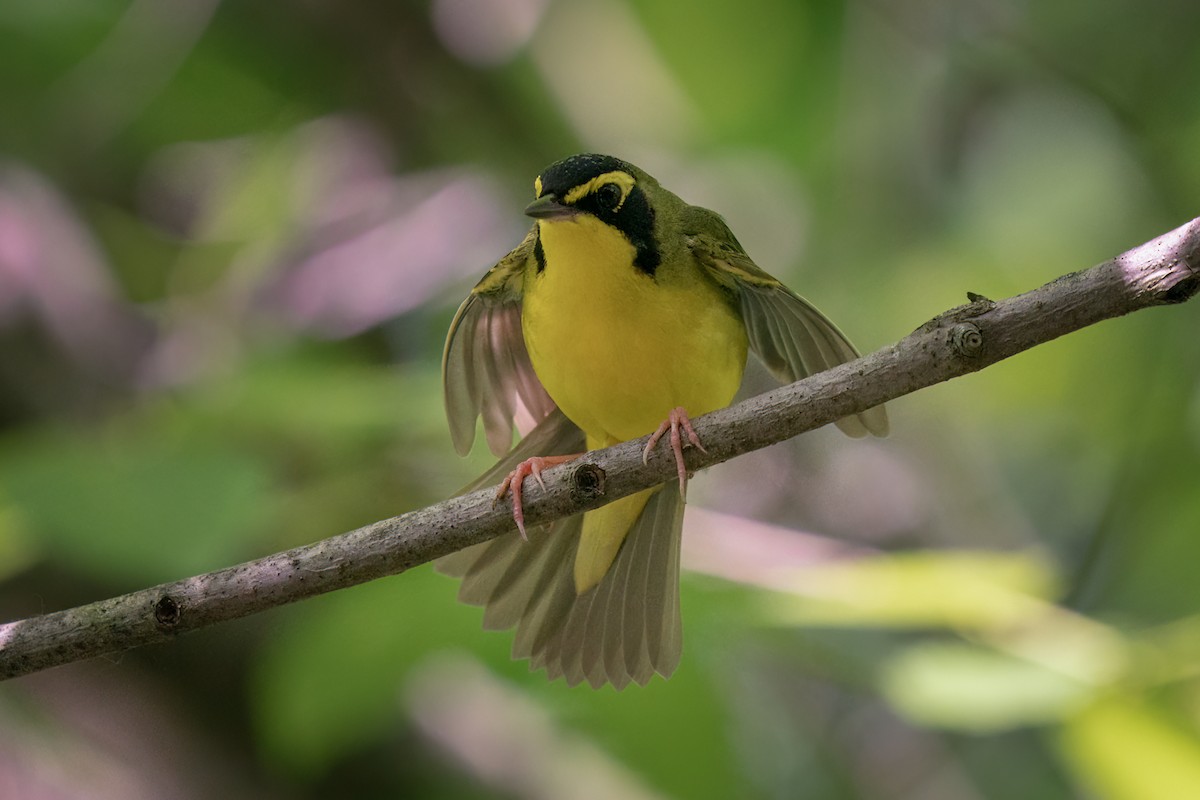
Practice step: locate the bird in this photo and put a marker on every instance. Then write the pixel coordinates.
(625, 311)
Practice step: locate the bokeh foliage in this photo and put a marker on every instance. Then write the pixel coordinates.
(232, 236)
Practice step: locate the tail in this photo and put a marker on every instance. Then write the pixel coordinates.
(626, 627)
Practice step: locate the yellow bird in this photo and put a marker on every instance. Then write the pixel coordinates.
(623, 311)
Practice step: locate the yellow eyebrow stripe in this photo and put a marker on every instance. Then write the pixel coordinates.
(537, 186)
(622, 179)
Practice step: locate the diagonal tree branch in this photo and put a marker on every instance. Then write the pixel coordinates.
(962, 340)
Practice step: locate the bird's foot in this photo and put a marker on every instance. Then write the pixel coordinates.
(679, 425)
(513, 481)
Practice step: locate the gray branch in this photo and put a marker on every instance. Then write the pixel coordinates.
(962, 340)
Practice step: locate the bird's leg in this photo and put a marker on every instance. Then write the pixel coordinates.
(512, 483)
(679, 425)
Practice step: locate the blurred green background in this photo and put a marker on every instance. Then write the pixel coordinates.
(232, 236)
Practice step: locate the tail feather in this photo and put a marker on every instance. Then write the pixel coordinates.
(625, 628)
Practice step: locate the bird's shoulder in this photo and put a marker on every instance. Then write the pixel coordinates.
(714, 247)
(503, 282)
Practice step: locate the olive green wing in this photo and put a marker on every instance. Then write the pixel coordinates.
(791, 337)
(485, 367)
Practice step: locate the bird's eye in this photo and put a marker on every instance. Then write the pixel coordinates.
(608, 196)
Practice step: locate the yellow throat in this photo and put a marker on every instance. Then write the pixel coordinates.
(616, 348)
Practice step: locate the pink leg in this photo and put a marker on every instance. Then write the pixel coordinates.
(676, 421)
(512, 483)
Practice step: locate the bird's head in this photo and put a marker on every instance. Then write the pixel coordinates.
(612, 191)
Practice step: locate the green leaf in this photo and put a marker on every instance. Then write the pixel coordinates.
(926, 589)
(954, 685)
(320, 401)
(1124, 749)
(135, 508)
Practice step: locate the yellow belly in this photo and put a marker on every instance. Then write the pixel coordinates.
(616, 349)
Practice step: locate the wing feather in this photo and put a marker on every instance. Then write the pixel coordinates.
(486, 370)
(791, 337)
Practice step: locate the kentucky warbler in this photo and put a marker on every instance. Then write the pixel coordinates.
(623, 307)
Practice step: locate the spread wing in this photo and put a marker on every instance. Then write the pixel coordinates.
(791, 337)
(485, 366)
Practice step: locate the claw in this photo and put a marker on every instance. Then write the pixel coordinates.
(679, 425)
(513, 482)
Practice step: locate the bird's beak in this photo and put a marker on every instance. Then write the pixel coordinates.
(548, 207)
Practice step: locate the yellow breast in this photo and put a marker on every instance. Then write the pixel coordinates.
(617, 349)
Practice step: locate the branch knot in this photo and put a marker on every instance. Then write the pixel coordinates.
(967, 339)
(167, 612)
(587, 482)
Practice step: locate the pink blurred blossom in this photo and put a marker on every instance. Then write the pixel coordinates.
(53, 272)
